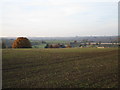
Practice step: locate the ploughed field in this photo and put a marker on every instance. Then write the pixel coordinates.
(60, 68)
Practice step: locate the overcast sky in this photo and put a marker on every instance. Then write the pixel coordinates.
(61, 18)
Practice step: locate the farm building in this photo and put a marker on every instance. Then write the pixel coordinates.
(55, 46)
(88, 44)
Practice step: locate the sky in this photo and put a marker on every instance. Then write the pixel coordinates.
(58, 18)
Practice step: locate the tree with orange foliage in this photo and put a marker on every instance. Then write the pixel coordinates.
(21, 42)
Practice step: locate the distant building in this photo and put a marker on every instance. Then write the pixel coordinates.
(95, 44)
(55, 46)
(100, 47)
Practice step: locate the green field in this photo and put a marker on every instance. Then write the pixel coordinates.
(60, 68)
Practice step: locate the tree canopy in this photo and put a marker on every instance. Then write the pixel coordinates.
(21, 42)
